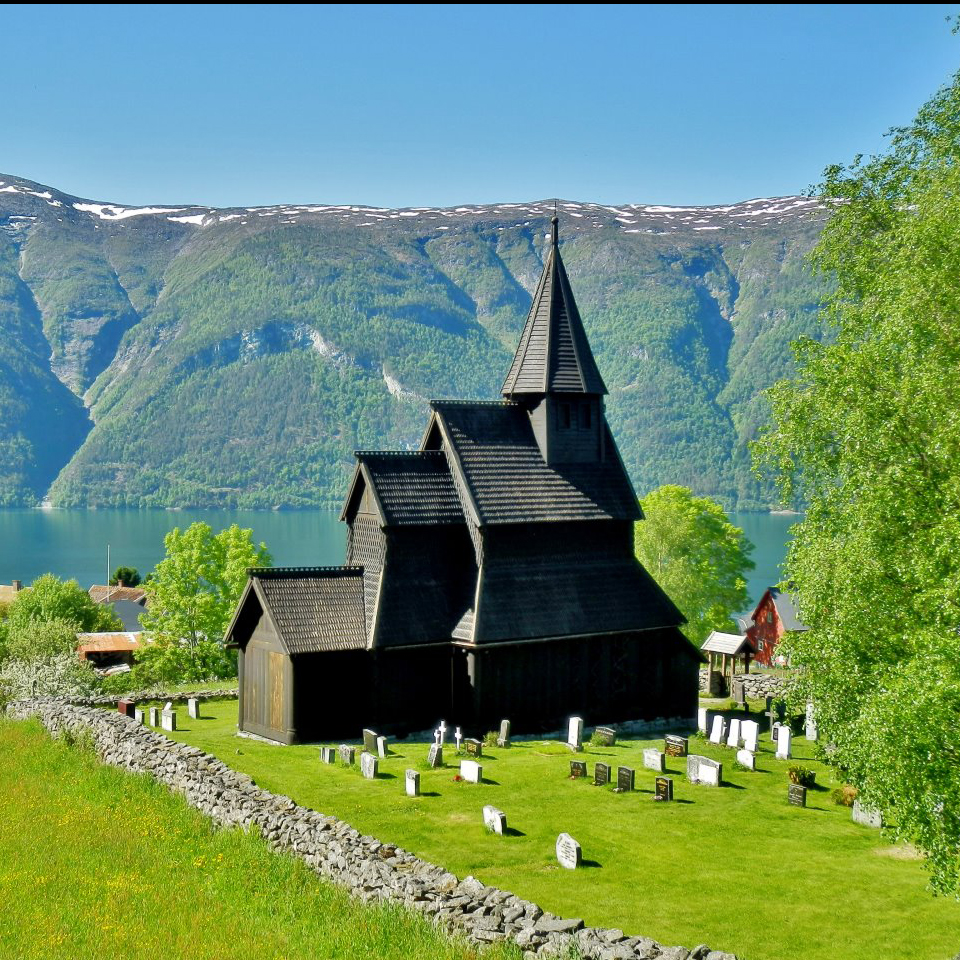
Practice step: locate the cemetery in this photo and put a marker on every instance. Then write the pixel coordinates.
(640, 849)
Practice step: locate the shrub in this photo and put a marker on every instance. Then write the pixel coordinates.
(490, 738)
(844, 796)
(596, 740)
(63, 675)
(802, 775)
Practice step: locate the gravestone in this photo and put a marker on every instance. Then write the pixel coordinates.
(704, 770)
(495, 820)
(369, 741)
(575, 734)
(772, 716)
(703, 720)
(327, 755)
(775, 730)
(747, 759)
(138, 715)
(664, 788)
(750, 731)
(193, 708)
(784, 738)
(674, 746)
(504, 739)
(626, 779)
(458, 736)
(381, 746)
(346, 754)
(733, 736)
(569, 854)
(718, 731)
(606, 735)
(168, 720)
(369, 765)
(653, 759)
(473, 747)
(797, 795)
(412, 782)
(738, 690)
(154, 716)
(601, 774)
(810, 724)
(471, 771)
(440, 733)
(866, 817)
(126, 706)
(435, 756)
(168, 707)
(578, 769)
(716, 683)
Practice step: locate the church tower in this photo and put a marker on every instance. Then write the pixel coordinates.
(553, 374)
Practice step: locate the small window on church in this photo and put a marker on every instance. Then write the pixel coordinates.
(585, 416)
(565, 416)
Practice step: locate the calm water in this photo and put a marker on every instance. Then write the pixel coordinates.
(73, 543)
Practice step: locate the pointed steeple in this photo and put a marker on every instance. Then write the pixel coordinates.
(554, 355)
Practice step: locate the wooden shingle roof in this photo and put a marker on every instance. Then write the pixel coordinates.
(501, 466)
(314, 608)
(553, 355)
(412, 488)
(732, 644)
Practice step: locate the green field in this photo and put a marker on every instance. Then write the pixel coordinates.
(736, 867)
(100, 864)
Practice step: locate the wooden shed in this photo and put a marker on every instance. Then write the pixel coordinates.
(723, 651)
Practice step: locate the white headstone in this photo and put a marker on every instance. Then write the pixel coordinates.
(168, 720)
(653, 759)
(381, 746)
(346, 754)
(154, 716)
(413, 783)
(495, 820)
(435, 756)
(568, 852)
(471, 771)
(504, 739)
(784, 736)
(750, 731)
(369, 765)
(441, 733)
(704, 770)
(702, 713)
(327, 755)
(719, 729)
(138, 715)
(168, 706)
(458, 736)
(575, 733)
(810, 726)
(733, 735)
(866, 817)
(747, 759)
(193, 708)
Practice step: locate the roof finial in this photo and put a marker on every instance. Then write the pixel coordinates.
(554, 221)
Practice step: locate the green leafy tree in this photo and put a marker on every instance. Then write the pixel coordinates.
(868, 433)
(125, 577)
(50, 599)
(191, 597)
(697, 555)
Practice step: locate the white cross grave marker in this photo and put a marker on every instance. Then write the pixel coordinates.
(458, 736)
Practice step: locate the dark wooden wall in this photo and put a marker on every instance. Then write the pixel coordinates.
(266, 686)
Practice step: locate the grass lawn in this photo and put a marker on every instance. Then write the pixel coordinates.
(736, 867)
(98, 863)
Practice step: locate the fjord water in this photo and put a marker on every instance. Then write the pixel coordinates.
(73, 543)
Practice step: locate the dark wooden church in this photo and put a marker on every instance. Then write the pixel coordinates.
(489, 574)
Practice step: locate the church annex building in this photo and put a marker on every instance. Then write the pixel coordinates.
(490, 574)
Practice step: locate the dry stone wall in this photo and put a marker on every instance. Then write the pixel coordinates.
(370, 869)
(757, 685)
(108, 700)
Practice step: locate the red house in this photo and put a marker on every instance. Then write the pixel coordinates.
(776, 614)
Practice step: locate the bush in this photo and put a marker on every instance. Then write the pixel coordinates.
(63, 675)
(802, 775)
(490, 738)
(844, 796)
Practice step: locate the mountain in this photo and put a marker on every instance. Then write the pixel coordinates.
(193, 356)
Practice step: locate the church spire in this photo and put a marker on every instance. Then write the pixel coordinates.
(554, 355)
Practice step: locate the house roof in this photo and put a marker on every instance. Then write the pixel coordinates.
(129, 614)
(312, 608)
(786, 609)
(553, 354)
(730, 643)
(108, 594)
(495, 454)
(410, 487)
(116, 642)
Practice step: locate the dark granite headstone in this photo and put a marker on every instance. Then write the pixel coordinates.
(626, 777)
(474, 748)
(664, 788)
(674, 746)
(578, 769)
(797, 795)
(601, 774)
(606, 735)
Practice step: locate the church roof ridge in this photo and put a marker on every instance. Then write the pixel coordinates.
(278, 573)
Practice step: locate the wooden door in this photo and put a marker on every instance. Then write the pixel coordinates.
(275, 687)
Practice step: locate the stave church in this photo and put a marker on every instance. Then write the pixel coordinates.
(490, 573)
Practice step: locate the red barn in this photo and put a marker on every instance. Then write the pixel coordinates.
(776, 614)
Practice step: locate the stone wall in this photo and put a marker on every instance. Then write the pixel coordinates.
(227, 693)
(757, 685)
(370, 869)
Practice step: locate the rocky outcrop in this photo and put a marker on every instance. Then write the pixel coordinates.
(371, 869)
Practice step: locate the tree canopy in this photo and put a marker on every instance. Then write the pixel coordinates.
(191, 597)
(697, 555)
(868, 433)
(125, 577)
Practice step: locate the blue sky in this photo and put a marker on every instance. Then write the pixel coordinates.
(417, 106)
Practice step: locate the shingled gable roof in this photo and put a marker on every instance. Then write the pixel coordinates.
(553, 355)
(410, 487)
(312, 609)
(504, 478)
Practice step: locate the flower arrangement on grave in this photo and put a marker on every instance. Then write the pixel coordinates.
(802, 775)
(457, 778)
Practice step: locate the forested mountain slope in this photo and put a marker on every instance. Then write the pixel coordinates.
(195, 356)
